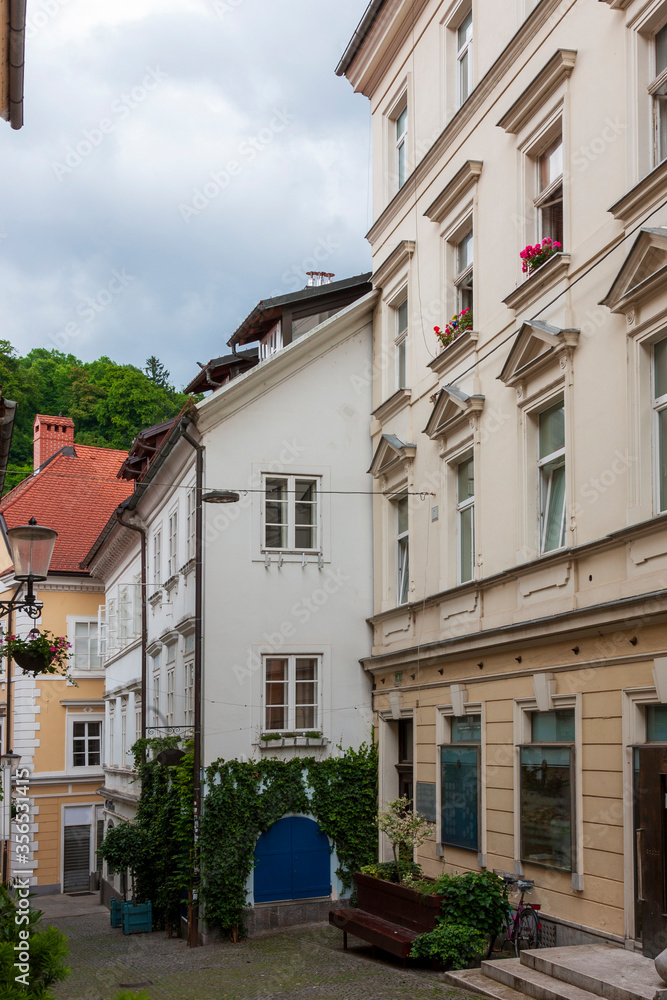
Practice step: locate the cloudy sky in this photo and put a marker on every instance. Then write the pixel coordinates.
(180, 160)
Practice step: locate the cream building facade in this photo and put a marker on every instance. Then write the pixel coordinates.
(520, 535)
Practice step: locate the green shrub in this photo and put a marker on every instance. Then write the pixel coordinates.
(476, 899)
(48, 949)
(387, 870)
(454, 945)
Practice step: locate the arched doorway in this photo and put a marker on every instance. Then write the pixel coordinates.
(292, 861)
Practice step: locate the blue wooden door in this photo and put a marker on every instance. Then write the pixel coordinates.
(292, 861)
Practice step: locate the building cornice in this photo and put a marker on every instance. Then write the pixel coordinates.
(557, 70)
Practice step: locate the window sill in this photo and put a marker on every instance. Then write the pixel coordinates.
(189, 566)
(292, 741)
(155, 598)
(400, 399)
(453, 353)
(540, 281)
(171, 583)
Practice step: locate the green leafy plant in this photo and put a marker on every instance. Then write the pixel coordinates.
(125, 847)
(388, 871)
(478, 899)
(405, 829)
(451, 944)
(52, 649)
(269, 737)
(47, 950)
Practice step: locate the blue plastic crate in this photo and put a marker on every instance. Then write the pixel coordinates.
(138, 919)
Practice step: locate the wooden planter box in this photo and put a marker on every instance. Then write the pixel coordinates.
(137, 919)
(116, 912)
(397, 903)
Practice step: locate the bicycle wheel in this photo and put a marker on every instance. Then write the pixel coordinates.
(527, 931)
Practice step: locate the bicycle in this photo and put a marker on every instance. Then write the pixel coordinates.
(524, 929)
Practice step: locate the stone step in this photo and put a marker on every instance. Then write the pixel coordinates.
(476, 982)
(530, 983)
(603, 970)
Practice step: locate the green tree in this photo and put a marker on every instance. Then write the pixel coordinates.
(157, 372)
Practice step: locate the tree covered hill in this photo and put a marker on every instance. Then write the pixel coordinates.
(108, 402)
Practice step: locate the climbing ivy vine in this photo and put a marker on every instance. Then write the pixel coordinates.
(242, 800)
(245, 799)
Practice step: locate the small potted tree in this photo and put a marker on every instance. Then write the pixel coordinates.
(126, 847)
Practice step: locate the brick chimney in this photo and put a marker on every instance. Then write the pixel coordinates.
(50, 434)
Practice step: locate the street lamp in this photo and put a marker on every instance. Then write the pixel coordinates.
(31, 548)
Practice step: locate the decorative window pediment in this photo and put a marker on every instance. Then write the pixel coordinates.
(397, 259)
(452, 406)
(391, 455)
(537, 344)
(539, 90)
(453, 194)
(643, 272)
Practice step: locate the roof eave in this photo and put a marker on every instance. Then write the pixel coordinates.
(359, 36)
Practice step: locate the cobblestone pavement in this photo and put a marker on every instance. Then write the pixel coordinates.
(306, 963)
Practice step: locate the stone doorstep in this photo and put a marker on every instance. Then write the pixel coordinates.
(603, 970)
(476, 982)
(530, 983)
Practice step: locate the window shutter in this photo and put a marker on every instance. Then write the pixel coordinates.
(112, 627)
(136, 607)
(102, 631)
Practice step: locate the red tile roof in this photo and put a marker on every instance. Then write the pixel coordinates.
(75, 493)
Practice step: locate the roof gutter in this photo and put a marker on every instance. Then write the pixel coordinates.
(359, 35)
(17, 10)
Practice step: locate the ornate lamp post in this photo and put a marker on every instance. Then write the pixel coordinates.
(31, 548)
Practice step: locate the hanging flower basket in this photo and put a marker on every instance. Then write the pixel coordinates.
(38, 652)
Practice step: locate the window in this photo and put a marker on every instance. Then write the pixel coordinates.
(463, 279)
(190, 519)
(402, 551)
(137, 717)
(112, 733)
(401, 345)
(125, 616)
(405, 765)
(86, 744)
(155, 663)
(86, 652)
(171, 683)
(547, 789)
(660, 410)
(401, 126)
(658, 91)
(464, 59)
(189, 689)
(459, 775)
(123, 733)
(549, 201)
(290, 513)
(551, 465)
(157, 558)
(172, 564)
(291, 693)
(465, 517)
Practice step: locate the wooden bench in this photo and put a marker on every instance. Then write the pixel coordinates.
(378, 932)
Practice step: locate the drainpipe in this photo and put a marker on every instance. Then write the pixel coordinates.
(193, 903)
(144, 616)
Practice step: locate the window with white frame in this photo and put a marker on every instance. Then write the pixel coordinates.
(112, 733)
(549, 200)
(547, 790)
(660, 420)
(155, 664)
(460, 763)
(291, 693)
(551, 469)
(171, 683)
(86, 744)
(157, 558)
(291, 517)
(137, 717)
(402, 551)
(464, 274)
(125, 615)
(401, 139)
(464, 60)
(189, 687)
(465, 518)
(190, 524)
(83, 636)
(401, 345)
(123, 733)
(172, 561)
(658, 91)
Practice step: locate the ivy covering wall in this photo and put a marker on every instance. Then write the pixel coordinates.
(245, 799)
(242, 800)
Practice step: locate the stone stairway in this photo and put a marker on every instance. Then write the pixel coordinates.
(581, 972)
